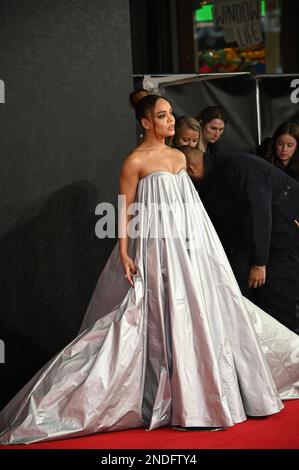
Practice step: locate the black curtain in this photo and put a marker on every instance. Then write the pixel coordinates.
(236, 94)
(151, 32)
(279, 101)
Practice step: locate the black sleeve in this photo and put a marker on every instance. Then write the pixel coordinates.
(256, 189)
(263, 149)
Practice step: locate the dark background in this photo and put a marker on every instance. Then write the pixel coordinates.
(236, 94)
(276, 104)
(65, 127)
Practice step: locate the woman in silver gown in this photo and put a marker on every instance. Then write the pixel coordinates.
(167, 338)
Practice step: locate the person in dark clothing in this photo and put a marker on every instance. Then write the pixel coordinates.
(254, 207)
(282, 150)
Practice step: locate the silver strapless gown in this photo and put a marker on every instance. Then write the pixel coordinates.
(183, 347)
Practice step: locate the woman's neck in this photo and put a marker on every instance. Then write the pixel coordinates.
(285, 163)
(153, 142)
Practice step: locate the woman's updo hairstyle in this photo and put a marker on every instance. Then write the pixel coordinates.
(143, 103)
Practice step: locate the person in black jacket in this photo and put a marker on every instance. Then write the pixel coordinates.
(254, 207)
(283, 148)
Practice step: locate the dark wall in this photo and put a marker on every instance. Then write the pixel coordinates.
(151, 31)
(162, 36)
(65, 128)
(289, 36)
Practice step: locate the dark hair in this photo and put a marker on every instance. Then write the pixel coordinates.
(210, 113)
(136, 95)
(291, 128)
(143, 106)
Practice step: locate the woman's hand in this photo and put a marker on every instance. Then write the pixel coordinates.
(129, 268)
(257, 276)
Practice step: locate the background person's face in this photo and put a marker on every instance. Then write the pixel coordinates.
(285, 148)
(213, 130)
(187, 136)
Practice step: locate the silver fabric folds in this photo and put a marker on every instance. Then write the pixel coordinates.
(183, 347)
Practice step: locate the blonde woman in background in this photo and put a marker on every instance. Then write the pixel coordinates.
(187, 132)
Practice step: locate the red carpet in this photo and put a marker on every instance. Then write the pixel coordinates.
(279, 431)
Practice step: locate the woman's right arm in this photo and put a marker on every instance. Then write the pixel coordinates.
(129, 179)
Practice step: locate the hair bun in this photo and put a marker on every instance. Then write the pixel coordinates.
(137, 95)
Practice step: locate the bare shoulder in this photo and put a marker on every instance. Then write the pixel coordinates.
(180, 157)
(132, 162)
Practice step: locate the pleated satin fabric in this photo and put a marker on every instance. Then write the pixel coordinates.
(181, 348)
